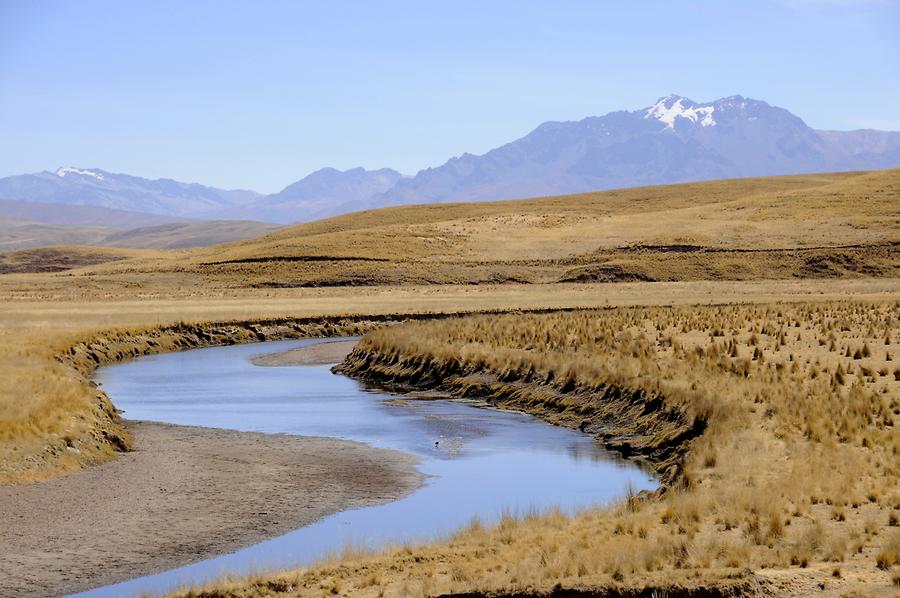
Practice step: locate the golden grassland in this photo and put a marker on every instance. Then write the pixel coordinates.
(808, 226)
(809, 239)
(824, 225)
(795, 477)
(760, 213)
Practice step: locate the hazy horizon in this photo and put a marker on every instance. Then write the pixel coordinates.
(234, 96)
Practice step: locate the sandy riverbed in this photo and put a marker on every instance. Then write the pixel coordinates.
(318, 354)
(184, 495)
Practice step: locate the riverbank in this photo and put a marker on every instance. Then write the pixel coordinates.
(55, 329)
(183, 494)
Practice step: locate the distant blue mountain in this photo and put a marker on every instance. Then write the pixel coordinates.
(99, 188)
(324, 193)
(674, 140)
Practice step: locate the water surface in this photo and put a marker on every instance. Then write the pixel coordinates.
(479, 462)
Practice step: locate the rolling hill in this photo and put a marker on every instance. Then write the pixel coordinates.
(825, 225)
(16, 234)
(183, 235)
(66, 214)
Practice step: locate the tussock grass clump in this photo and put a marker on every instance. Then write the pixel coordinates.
(797, 384)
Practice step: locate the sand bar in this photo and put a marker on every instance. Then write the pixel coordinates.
(318, 354)
(184, 495)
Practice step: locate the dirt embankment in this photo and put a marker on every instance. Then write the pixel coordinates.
(653, 263)
(633, 423)
(183, 495)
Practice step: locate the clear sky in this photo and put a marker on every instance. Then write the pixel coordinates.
(259, 94)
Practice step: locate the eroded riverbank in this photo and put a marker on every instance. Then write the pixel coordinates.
(185, 493)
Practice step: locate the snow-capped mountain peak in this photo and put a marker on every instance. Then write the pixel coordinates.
(62, 172)
(670, 141)
(667, 109)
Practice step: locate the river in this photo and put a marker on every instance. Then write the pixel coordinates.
(479, 462)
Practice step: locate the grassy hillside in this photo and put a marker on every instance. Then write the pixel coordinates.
(58, 259)
(826, 225)
(181, 235)
(17, 234)
(83, 215)
(55, 248)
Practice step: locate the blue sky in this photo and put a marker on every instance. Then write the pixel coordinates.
(259, 94)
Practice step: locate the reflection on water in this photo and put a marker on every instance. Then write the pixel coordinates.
(480, 462)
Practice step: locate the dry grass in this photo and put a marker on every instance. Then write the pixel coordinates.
(761, 213)
(796, 475)
(701, 231)
(763, 432)
(46, 405)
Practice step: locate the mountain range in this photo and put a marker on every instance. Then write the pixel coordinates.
(324, 193)
(674, 140)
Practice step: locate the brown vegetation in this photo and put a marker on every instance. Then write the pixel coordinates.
(774, 420)
(58, 259)
(824, 225)
(46, 404)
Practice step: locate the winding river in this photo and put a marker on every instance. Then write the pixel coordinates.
(485, 462)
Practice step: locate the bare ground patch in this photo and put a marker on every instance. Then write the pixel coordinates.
(183, 495)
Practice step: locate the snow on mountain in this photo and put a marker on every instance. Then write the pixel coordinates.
(94, 187)
(61, 172)
(669, 108)
(674, 140)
